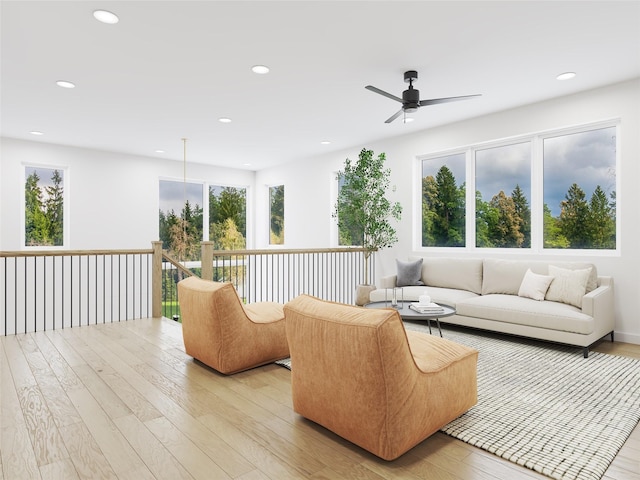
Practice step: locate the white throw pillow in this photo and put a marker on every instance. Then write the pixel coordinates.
(568, 286)
(534, 286)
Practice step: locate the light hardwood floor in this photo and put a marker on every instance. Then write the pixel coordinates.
(124, 401)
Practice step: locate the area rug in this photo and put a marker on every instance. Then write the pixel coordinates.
(544, 406)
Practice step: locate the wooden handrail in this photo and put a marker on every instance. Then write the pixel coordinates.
(176, 263)
(280, 251)
(69, 253)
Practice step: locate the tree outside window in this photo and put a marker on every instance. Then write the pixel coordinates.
(228, 217)
(443, 201)
(44, 207)
(575, 188)
(181, 219)
(276, 215)
(580, 190)
(503, 192)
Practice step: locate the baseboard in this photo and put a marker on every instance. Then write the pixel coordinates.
(626, 337)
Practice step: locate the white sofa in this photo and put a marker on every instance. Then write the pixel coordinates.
(485, 293)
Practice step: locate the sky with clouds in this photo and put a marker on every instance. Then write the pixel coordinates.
(586, 158)
(173, 195)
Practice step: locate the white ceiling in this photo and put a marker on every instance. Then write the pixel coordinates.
(171, 69)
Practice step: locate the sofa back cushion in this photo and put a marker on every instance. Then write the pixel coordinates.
(505, 276)
(458, 273)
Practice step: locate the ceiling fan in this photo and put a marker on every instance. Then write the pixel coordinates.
(411, 97)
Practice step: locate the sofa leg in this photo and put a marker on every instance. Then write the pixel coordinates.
(585, 352)
(612, 337)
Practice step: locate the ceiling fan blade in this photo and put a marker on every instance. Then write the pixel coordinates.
(435, 101)
(393, 117)
(382, 92)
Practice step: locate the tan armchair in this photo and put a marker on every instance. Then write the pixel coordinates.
(223, 333)
(357, 372)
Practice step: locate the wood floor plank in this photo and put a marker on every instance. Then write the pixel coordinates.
(87, 457)
(60, 364)
(45, 438)
(254, 451)
(62, 469)
(18, 457)
(194, 460)
(62, 410)
(155, 455)
(129, 403)
(114, 446)
(228, 459)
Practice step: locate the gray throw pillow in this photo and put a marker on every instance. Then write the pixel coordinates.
(409, 273)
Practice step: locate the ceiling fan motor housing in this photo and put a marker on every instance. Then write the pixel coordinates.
(411, 96)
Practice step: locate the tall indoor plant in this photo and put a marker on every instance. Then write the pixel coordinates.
(362, 209)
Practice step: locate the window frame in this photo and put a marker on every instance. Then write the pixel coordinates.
(537, 193)
(65, 207)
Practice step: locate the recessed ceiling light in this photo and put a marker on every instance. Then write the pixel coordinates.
(325, 142)
(159, 151)
(224, 120)
(566, 76)
(260, 69)
(35, 132)
(106, 17)
(246, 164)
(408, 119)
(65, 84)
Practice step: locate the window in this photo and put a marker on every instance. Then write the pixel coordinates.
(276, 215)
(349, 233)
(580, 190)
(181, 218)
(228, 217)
(443, 201)
(44, 207)
(503, 195)
(554, 190)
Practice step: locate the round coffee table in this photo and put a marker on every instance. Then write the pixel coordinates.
(407, 313)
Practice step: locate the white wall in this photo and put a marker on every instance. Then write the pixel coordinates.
(112, 198)
(308, 198)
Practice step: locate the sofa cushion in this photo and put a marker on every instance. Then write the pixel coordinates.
(505, 276)
(458, 273)
(568, 286)
(409, 273)
(524, 311)
(592, 281)
(534, 286)
(449, 296)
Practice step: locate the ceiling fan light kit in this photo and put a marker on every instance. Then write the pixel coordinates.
(411, 97)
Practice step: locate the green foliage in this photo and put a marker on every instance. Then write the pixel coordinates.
(505, 221)
(523, 215)
(181, 236)
(553, 237)
(588, 224)
(574, 217)
(228, 218)
(276, 211)
(444, 207)
(362, 209)
(44, 219)
(229, 204)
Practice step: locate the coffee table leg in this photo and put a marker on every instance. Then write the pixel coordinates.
(438, 323)
(429, 323)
